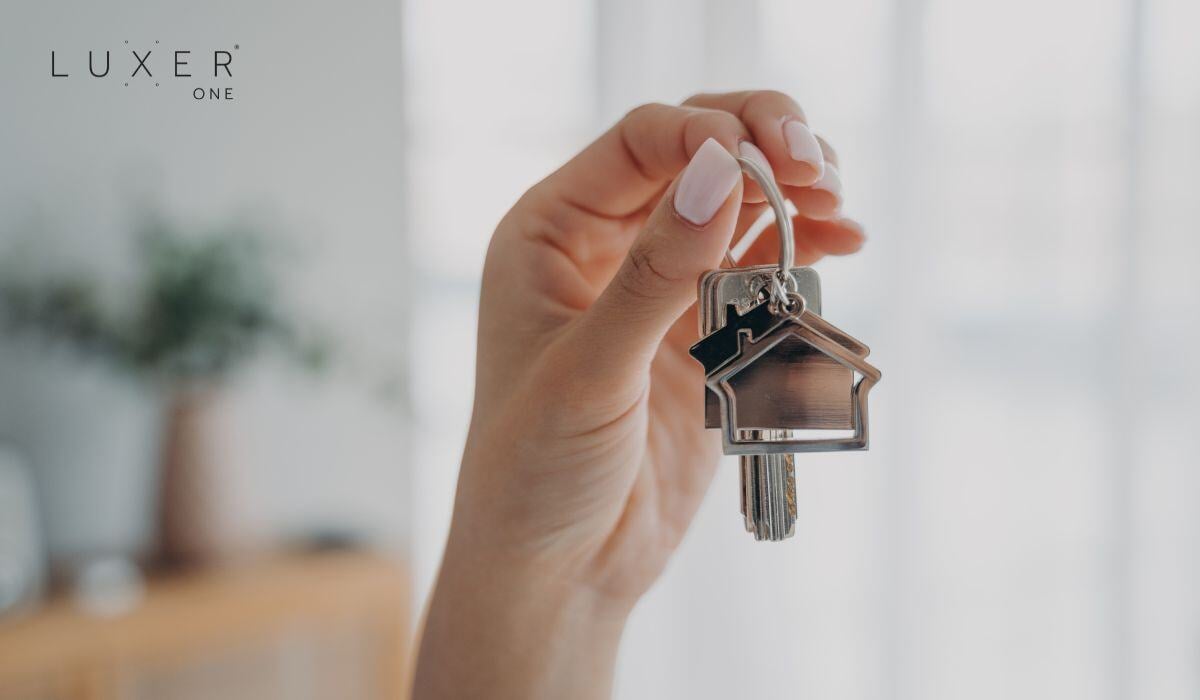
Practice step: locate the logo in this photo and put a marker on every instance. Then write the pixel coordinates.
(207, 74)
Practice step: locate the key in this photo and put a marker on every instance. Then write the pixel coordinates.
(768, 482)
(768, 491)
(775, 372)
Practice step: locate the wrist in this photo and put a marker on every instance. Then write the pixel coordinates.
(502, 625)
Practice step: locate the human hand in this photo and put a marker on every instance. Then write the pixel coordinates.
(587, 455)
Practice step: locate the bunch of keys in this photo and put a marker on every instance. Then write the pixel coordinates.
(779, 378)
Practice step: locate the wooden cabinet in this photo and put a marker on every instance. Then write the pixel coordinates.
(295, 628)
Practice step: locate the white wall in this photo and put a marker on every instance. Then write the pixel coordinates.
(309, 147)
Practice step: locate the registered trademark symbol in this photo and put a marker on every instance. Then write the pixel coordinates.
(236, 47)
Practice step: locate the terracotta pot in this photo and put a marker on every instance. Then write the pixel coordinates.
(199, 507)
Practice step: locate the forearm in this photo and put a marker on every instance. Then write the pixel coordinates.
(500, 630)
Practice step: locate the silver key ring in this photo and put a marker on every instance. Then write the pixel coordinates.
(783, 226)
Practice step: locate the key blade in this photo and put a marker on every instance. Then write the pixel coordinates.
(769, 493)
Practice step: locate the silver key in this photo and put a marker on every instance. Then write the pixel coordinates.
(768, 482)
(773, 367)
(768, 492)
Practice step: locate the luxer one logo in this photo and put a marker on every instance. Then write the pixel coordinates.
(206, 73)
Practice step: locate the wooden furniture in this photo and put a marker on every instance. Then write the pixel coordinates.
(313, 626)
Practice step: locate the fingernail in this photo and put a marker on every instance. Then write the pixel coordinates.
(802, 144)
(706, 183)
(749, 150)
(831, 182)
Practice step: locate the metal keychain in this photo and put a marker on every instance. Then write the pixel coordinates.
(780, 379)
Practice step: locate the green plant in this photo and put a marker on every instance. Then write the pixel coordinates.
(203, 306)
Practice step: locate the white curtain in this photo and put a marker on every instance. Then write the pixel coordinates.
(1026, 523)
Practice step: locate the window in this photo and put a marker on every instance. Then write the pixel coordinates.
(1025, 523)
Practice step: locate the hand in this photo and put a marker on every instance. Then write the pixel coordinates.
(587, 455)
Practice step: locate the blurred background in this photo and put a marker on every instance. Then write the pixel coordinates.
(240, 337)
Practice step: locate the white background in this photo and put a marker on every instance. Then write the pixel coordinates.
(1026, 522)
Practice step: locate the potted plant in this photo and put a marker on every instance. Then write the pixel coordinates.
(202, 308)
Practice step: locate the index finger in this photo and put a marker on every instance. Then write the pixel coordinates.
(627, 167)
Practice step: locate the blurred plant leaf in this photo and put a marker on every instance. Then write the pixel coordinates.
(205, 305)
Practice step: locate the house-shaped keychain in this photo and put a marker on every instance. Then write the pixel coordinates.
(774, 370)
(778, 378)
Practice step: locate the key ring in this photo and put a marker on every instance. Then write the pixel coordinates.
(793, 307)
(782, 279)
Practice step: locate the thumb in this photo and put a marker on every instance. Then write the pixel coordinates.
(686, 235)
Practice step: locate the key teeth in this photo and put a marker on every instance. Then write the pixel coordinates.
(769, 496)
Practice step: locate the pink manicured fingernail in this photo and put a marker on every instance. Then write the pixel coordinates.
(706, 183)
(802, 144)
(831, 182)
(749, 150)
